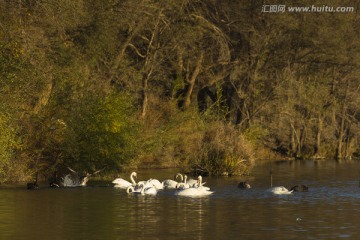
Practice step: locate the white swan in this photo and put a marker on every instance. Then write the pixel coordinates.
(141, 189)
(279, 190)
(68, 181)
(171, 184)
(152, 183)
(123, 184)
(74, 180)
(156, 183)
(148, 190)
(192, 192)
(200, 184)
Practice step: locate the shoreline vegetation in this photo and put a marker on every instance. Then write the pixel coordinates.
(208, 86)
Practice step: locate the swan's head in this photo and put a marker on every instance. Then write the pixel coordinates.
(134, 174)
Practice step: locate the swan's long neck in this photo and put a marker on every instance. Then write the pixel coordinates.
(199, 180)
(132, 175)
(179, 175)
(130, 189)
(185, 179)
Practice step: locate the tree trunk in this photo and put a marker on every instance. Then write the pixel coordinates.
(145, 94)
(295, 142)
(318, 137)
(298, 147)
(348, 143)
(192, 81)
(148, 66)
(339, 154)
(339, 150)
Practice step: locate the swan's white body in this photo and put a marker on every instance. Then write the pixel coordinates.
(123, 184)
(156, 183)
(68, 181)
(171, 184)
(149, 191)
(193, 192)
(74, 180)
(279, 190)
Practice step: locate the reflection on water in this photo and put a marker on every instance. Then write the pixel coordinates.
(330, 209)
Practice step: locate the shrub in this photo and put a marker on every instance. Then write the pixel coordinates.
(8, 144)
(101, 132)
(224, 151)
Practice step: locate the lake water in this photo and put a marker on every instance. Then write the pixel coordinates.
(330, 210)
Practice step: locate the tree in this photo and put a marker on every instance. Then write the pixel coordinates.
(100, 133)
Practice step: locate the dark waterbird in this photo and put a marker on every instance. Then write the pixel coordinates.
(300, 188)
(244, 185)
(54, 181)
(32, 186)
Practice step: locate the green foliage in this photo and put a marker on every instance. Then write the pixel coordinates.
(12, 69)
(9, 143)
(101, 132)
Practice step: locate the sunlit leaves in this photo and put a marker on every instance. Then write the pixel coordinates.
(9, 142)
(101, 132)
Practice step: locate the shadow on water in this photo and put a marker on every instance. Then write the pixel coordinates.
(329, 210)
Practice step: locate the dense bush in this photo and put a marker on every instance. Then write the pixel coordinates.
(223, 151)
(101, 132)
(9, 143)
